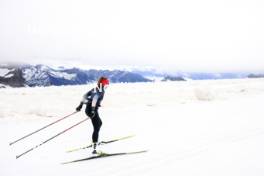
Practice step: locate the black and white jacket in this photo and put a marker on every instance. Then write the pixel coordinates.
(93, 98)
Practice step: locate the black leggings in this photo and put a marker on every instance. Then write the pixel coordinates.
(97, 123)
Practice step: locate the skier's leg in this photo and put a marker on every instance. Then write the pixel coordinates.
(97, 123)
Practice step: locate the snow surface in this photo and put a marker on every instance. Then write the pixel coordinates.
(31, 73)
(190, 128)
(3, 86)
(63, 75)
(5, 71)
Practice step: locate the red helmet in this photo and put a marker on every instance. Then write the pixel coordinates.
(103, 80)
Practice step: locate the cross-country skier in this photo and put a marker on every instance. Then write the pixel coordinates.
(93, 99)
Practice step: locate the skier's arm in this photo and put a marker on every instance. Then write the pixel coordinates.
(84, 100)
(79, 107)
(86, 97)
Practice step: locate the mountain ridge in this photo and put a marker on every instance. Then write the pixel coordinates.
(43, 75)
(22, 75)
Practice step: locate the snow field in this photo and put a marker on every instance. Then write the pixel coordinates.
(190, 128)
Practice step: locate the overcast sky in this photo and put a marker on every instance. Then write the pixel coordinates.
(191, 35)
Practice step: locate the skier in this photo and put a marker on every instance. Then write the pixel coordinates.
(93, 99)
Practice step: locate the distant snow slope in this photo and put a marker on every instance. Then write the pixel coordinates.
(4, 72)
(190, 128)
(63, 75)
(41, 72)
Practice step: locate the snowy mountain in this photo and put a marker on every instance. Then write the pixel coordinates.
(256, 76)
(205, 76)
(161, 74)
(173, 78)
(11, 76)
(42, 75)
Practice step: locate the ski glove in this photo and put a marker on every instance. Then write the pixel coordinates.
(79, 107)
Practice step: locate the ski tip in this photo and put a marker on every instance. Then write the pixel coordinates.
(130, 136)
(142, 151)
(77, 149)
(69, 151)
(126, 137)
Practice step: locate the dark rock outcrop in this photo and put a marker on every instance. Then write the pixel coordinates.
(173, 78)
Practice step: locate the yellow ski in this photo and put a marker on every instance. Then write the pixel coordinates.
(100, 143)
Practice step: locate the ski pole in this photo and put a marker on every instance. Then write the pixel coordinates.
(29, 150)
(11, 143)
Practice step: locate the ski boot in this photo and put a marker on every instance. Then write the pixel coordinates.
(95, 151)
(94, 148)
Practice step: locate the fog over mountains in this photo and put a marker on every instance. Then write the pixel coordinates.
(24, 75)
